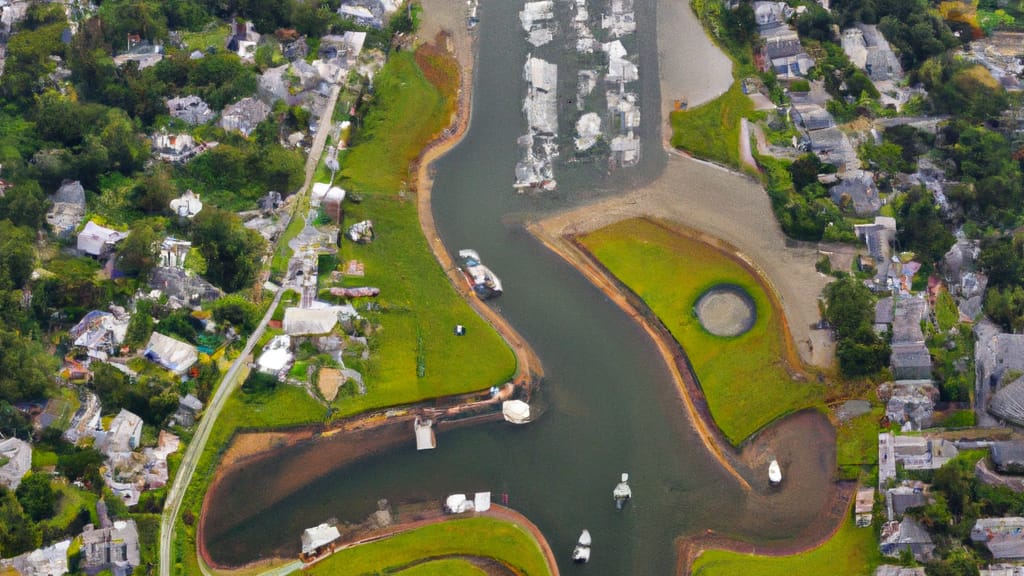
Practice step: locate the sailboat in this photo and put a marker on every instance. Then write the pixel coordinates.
(774, 472)
(622, 492)
(581, 553)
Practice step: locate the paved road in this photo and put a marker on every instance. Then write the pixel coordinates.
(172, 506)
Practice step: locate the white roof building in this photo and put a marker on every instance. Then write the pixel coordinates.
(172, 354)
(49, 561)
(125, 433)
(318, 536)
(96, 240)
(18, 454)
(187, 205)
(276, 355)
(309, 321)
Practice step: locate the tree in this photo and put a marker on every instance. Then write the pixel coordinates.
(848, 309)
(139, 253)
(237, 311)
(920, 227)
(16, 255)
(25, 204)
(26, 368)
(140, 327)
(36, 496)
(232, 251)
(17, 532)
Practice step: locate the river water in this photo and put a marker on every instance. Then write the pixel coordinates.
(612, 405)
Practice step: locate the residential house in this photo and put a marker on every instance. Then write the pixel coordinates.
(883, 315)
(85, 421)
(277, 355)
(1002, 570)
(115, 548)
(771, 13)
(1008, 457)
(868, 50)
(143, 53)
(963, 279)
(296, 49)
(174, 252)
(907, 535)
(910, 359)
(900, 498)
(360, 15)
(310, 321)
(182, 287)
(273, 84)
(317, 539)
(17, 457)
(49, 561)
(915, 452)
(99, 241)
(187, 205)
(1004, 537)
(172, 354)
(857, 190)
(890, 570)
(188, 411)
(68, 208)
(863, 506)
(100, 333)
(910, 403)
(177, 148)
(244, 115)
(124, 434)
(243, 39)
(191, 109)
(998, 364)
(155, 469)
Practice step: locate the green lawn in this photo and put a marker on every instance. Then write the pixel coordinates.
(448, 567)
(851, 552)
(480, 536)
(744, 378)
(712, 130)
(216, 36)
(857, 446)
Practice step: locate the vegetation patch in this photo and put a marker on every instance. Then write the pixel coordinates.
(481, 536)
(670, 272)
(447, 567)
(851, 551)
(857, 446)
(712, 130)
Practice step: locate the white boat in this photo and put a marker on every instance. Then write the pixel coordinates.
(774, 472)
(479, 277)
(622, 492)
(581, 553)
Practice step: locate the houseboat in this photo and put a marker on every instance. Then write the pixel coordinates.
(479, 277)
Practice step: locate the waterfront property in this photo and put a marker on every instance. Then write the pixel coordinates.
(671, 272)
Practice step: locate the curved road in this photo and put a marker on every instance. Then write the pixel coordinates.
(176, 493)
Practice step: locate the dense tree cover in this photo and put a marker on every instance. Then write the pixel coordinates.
(18, 534)
(1002, 259)
(962, 88)
(36, 496)
(909, 25)
(920, 228)
(801, 204)
(237, 311)
(982, 160)
(232, 252)
(139, 253)
(153, 395)
(26, 368)
(850, 312)
(245, 169)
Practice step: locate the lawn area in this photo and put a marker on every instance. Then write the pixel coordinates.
(712, 130)
(744, 377)
(213, 35)
(71, 502)
(480, 536)
(449, 567)
(851, 552)
(857, 446)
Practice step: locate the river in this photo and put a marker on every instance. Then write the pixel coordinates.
(612, 405)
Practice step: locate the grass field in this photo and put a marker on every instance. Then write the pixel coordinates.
(857, 446)
(744, 378)
(449, 567)
(712, 130)
(851, 552)
(214, 35)
(480, 536)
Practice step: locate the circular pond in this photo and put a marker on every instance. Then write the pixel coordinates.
(726, 310)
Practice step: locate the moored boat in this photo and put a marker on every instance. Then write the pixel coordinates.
(774, 472)
(622, 492)
(581, 553)
(479, 277)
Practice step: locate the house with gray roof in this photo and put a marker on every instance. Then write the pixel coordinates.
(1008, 456)
(17, 458)
(890, 570)
(1004, 537)
(171, 353)
(900, 498)
(999, 364)
(858, 191)
(907, 535)
(1001, 570)
(48, 561)
(910, 361)
(190, 109)
(67, 208)
(910, 403)
(115, 548)
(244, 115)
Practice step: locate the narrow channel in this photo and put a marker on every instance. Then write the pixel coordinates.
(612, 405)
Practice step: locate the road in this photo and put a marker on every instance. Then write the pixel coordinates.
(172, 506)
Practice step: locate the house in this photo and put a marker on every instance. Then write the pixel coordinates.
(1008, 457)
(143, 53)
(187, 205)
(177, 148)
(191, 109)
(910, 403)
(155, 470)
(910, 361)
(900, 498)
(182, 287)
(273, 84)
(963, 279)
(811, 116)
(296, 49)
(174, 252)
(17, 457)
(124, 434)
(243, 40)
(915, 452)
(100, 333)
(49, 561)
(857, 190)
(1004, 537)
(244, 115)
(85, 420)
(1002, 570)
(360, 15)
(883, 315)
(68, 207)
(863, 506)
(188, 411)
(318, 539)
(172, 354)
(906, 535)
(771, 13)
(115, 548)
(999, 362)
(98, 241)
(868, 50)
(310, 321)
(276, 356)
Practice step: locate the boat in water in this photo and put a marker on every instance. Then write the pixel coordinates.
(581, 553)
(480, 278)
(622, 492)
(774, 472)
